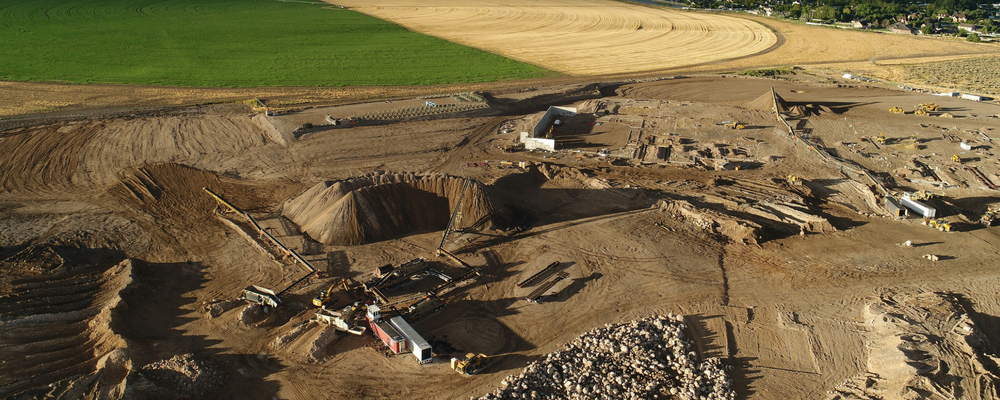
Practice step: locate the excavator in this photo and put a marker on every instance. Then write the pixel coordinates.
(325, 298)
(733, 125)
(896, 110)
(880, 139)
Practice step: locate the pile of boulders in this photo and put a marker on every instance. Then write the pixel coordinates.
(643, 359)
(187, 375)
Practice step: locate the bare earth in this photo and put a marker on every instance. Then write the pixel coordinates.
(124, 262)
(120, 278)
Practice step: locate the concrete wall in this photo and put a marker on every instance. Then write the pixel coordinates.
(550, 114)
(542, 144)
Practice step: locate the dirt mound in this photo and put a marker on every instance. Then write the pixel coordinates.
(729, 228)
(922, 345)
(766, 102)
(383, 206)
(62, 320)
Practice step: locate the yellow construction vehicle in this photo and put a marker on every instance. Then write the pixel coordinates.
(896, 110)
(880, 139)
(325, 298)
(987, 219)
(733, 125)
(939, 224)
(794, 180)
(956, 158)
(921, 112)
(922, 195)
(928, 107)
(470, 364)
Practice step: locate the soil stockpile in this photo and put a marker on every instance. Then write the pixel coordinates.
(645, 359)
(384, 206)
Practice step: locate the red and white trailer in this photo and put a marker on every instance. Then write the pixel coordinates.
(384, 331)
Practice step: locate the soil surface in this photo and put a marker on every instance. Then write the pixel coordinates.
(802, 286)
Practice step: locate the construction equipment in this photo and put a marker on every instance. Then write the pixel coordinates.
(794, 180)
(987, 219)
(880, 139)
(928, 107)
(342, 320)
(398, 275)
(325, 298)
(470, 364)
(896, 110)
(921, 112)
(262, 296)
(733, 125)
(939, 224)
(537, 293)
(540, 274)
(428, 304)
(922, 195)
(956, 158)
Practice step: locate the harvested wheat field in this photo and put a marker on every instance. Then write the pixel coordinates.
(581, 38)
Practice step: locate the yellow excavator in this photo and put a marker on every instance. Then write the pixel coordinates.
(956, 158)
(896, 110)
(325, 298)
(794, 180)
(880, 139)
(734, 125)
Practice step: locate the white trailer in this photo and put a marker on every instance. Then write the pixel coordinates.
(416, 343)
(923, 209)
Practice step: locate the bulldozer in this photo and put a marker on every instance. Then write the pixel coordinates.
(794, 180)
(939, 224)
(470, 364)
(733, 125)
(896, 110)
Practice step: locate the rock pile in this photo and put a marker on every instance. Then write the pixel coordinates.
(643, 359)
(186, 374)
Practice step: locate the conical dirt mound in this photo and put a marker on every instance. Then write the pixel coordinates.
(385, 206)
(766, 102)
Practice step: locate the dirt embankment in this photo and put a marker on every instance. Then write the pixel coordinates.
(384, 206)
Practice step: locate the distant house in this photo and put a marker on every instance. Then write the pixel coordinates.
(944, 16)
(861, 24)
(960, 17)
(968, 27)
(768, 11)
(901, 28)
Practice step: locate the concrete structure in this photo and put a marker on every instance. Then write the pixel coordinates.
(965, 146)
(536, 139)
(972, 97)
(895, 207)
(923, 209)
(946, 94)
(414, 342)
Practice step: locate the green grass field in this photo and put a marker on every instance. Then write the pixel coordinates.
(229, 43)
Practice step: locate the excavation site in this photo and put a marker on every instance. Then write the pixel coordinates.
(803, 236)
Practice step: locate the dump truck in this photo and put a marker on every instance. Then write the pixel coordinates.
(733, 125)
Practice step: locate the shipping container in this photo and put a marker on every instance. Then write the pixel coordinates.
(895, 207)
(388, 335)
(923, 209)
(415, 343)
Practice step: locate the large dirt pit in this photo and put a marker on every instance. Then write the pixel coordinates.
(122, 276)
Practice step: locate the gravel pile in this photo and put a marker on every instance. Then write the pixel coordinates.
(643, 359)
(186, 374)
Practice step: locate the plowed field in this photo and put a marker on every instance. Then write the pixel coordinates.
(581, 38)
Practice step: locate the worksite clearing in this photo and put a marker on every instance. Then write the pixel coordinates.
(177, 254)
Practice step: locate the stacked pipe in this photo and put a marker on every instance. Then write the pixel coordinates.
(643, 359)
